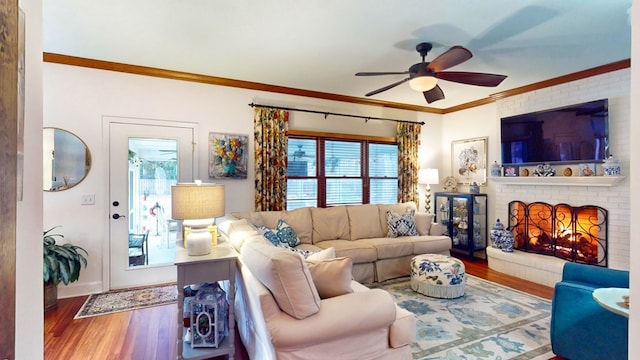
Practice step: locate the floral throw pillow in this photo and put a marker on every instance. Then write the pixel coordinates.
(401, 225)
(284, 236)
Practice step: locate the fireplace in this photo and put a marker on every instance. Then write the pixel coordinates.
(576, 234)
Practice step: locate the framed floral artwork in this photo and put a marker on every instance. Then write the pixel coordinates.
(228, 156)
(469, 160)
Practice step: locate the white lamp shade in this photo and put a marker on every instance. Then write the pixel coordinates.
(428, 176)
(423, 83)
(197, 201)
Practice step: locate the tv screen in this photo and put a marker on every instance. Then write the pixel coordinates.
(571, 134)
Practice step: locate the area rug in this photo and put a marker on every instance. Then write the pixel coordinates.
(489, 322)
(127, 299)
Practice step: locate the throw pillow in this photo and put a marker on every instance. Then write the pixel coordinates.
(282, 234)
(423, 222)
(326, 254)
(270, 235)
(401, 225)
(285, 274)
(286, 234)
(331, 277)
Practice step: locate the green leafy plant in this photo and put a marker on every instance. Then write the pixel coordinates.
(62, 263)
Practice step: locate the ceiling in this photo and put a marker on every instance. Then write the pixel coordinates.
(319, 45)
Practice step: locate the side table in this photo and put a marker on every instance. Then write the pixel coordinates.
(218, 265)
(612, 299)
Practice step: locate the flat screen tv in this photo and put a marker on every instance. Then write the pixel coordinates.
(571, 134)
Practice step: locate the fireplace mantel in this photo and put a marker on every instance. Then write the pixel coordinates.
(559, 180)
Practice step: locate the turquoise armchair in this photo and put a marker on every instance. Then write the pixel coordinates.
(581, 329)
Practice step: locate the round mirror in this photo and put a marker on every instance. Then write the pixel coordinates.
(66, 159)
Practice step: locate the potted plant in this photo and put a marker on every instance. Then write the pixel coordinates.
(62, 263)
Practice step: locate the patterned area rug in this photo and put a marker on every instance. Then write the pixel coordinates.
(489, 322)
(127, 299)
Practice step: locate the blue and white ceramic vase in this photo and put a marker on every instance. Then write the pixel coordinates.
(501, 238)
(611, 166)
(496, 235)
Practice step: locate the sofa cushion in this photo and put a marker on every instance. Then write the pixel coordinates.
(363, 222)
(423, 222)
(330, 223)
(388, 248)
(401, 225)
(359, 251)
(285, 274)
(430, 244)
(331, 277)
(300, 221)
(238, 231)
(397, 208)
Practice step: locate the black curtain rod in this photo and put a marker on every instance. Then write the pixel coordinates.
(326, 113)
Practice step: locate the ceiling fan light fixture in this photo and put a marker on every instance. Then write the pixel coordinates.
(423, 83)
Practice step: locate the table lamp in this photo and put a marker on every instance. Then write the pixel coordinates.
(428, 177)
(198, 205)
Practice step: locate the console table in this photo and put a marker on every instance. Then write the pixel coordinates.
(218, 265)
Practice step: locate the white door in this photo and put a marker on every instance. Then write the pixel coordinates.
(145, 159)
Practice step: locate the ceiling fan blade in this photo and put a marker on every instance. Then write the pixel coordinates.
(452, 57)
(382, 73)
(472, 78)
(434, 94)
(386, 87)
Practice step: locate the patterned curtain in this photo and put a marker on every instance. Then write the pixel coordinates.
(408, 143)
(270, 127)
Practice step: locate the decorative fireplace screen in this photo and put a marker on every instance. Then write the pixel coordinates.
(576, 234)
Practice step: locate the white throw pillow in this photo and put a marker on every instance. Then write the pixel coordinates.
(325, 254)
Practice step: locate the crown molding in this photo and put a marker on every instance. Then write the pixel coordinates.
(214, 80)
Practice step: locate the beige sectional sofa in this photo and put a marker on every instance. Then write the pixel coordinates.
(288, 307)
(360, 232)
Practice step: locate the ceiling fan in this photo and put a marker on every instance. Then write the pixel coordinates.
(424, 76)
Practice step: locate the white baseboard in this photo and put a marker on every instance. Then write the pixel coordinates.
(73, 290)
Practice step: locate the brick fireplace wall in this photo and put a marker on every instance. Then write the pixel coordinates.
(616, 199)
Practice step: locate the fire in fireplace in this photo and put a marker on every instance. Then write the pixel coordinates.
(576, 234)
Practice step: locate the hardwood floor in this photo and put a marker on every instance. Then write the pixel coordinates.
(150, 333)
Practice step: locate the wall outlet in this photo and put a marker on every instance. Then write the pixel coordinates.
(88, 199)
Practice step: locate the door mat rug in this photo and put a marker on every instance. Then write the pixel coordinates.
(490, 321)
(127, 299)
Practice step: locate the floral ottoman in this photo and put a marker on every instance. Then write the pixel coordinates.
(437, 276)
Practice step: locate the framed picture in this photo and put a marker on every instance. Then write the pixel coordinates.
(469, 160)
(511, 170)
(587, 169)
(228, 156)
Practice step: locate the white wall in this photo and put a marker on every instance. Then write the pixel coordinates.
(634, 320)
(76, 99)
(29, 314)
(484, 121)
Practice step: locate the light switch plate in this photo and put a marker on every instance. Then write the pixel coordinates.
(88, 199)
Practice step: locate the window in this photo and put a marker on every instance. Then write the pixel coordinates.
(326, 172)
